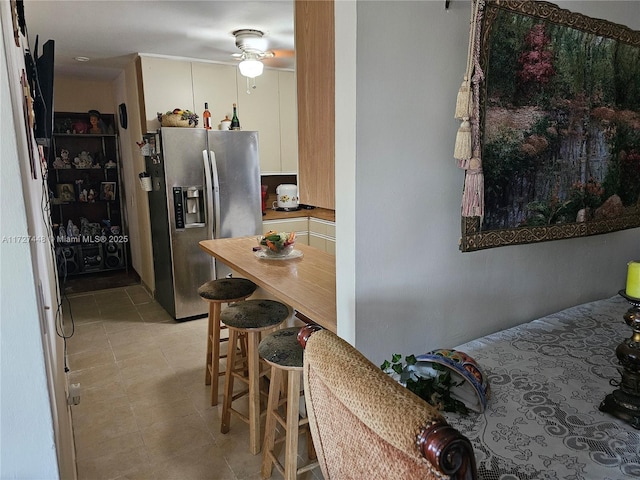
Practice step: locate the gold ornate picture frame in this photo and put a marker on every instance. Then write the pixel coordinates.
(559, 126)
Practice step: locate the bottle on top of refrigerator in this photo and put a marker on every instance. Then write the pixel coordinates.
(235, 123)
(206, 117)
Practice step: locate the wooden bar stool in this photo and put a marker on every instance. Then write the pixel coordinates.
(251, 317)
(282, 351)
(217, 292)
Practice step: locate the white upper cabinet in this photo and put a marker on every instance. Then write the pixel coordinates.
(216, 85)
(259, 109)
(167, 85)
(288, 122)
(270, 109)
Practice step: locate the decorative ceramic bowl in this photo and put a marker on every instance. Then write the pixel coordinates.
(473, 390)
(277, 244)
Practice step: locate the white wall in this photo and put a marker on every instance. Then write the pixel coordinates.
(414, 289)
(73, 94)
(26, 435)
(345, 134)
(136, 202)
(35, 424)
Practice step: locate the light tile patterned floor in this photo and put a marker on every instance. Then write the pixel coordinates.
(144, 411)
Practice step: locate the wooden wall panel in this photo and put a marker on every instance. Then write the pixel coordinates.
(315, 71)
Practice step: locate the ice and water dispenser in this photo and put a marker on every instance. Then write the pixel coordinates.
(188, 204)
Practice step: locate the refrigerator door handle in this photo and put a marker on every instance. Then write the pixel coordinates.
(216, 193)
(208, 194)
(213, 199)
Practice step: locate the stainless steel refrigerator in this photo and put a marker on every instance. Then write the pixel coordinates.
(205, 184)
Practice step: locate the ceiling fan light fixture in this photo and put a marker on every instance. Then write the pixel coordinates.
(250, 40)
(250, 67)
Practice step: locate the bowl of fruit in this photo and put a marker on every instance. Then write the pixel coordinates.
(178, 118)
(277, 244)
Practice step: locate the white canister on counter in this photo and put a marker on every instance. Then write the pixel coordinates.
(226, 123)
(287, 196)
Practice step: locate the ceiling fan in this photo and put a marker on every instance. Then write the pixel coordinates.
(253, 46)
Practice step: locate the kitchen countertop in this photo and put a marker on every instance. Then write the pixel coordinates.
(321, 213)
(308, 284)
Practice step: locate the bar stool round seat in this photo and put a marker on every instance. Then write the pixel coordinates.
(255, 314)
(282, 348)
(217, 292)
(282, 351)
(223, 289)
(251, 318)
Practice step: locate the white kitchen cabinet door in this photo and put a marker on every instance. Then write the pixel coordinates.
(260, 110)
(167, 85)
(288, 122)
(322, 235)
(215, 84)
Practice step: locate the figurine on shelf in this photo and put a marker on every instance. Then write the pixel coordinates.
(72, 229)
(83, 160)
(63, 125)
(110, 164)
(85, 228)
(97, 125)
(82, 191)
(91, 196)
(64, 156)
(79, 127)
(58, 163)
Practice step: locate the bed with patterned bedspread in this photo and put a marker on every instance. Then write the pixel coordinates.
(547, 379)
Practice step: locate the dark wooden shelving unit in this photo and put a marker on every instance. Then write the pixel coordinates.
(85, 188)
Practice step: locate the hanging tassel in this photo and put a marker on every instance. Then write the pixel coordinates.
(462, 150)
(473, 195)
(468, 136)
(463, 164)
(463, 102)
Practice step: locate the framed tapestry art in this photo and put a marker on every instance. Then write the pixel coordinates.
(554, 122)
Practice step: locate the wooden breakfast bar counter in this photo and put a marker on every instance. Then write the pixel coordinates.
(307, 284)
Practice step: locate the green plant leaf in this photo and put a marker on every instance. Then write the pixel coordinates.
(435, 390)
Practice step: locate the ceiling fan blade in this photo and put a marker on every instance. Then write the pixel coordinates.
(283, 53)
(276, 62)
(279, 58)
